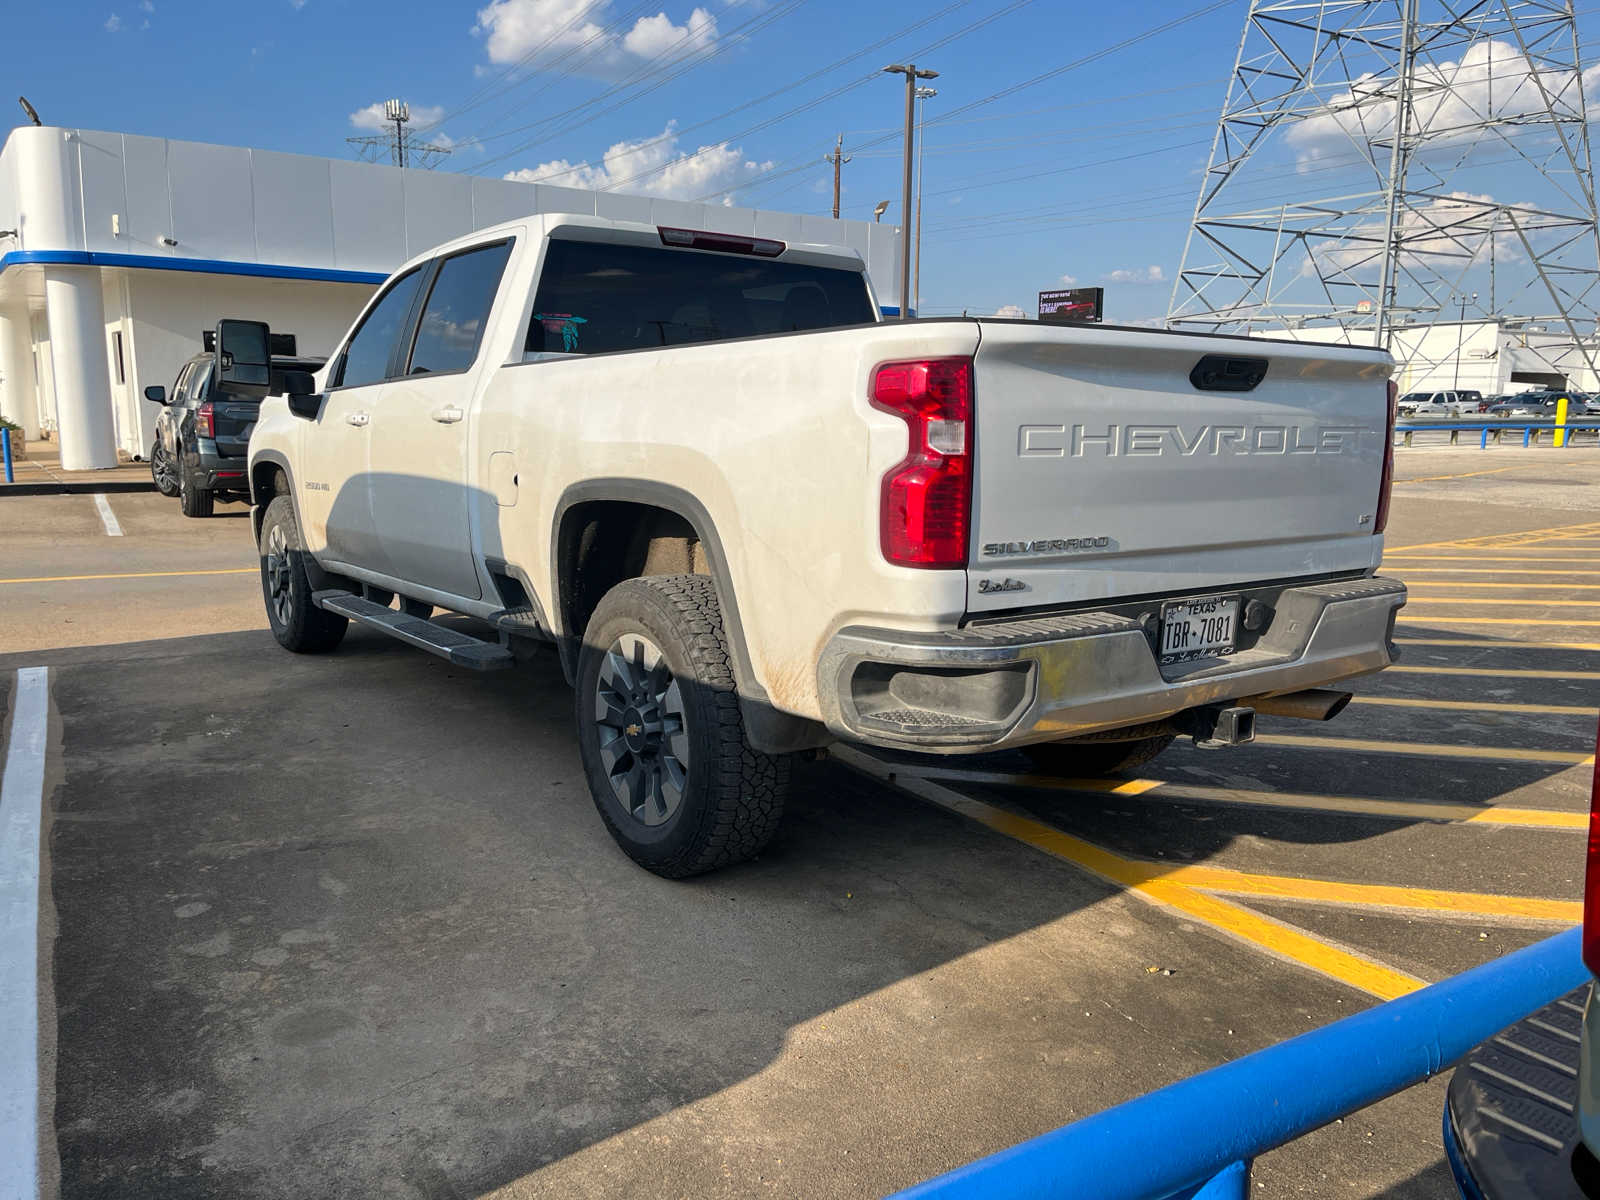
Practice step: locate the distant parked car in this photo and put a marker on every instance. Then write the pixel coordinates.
(1543, 405)
(203, 436)
(1435, 404)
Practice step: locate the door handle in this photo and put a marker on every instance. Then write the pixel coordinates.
(448, 415)
(356, 418)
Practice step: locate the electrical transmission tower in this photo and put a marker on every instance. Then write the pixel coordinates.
(403, 149)
(1377, 161)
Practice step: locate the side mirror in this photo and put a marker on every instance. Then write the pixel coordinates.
(301, 389)
(244, 358)
(156, 394)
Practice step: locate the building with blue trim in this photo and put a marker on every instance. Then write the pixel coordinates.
(117, 251)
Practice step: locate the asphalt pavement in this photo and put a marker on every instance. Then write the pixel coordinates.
(349, 925)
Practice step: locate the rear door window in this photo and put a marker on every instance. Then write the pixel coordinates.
(597, 298)
(451, 328)
(366, 358)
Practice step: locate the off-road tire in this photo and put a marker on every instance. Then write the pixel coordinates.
(296, 622)
(195, 501)
(1090, 760)
(165, 479)
(733, 797)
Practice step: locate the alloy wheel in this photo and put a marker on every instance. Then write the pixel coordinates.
(277, 567)
(644, 741)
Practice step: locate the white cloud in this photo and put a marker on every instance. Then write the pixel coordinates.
(712, 169)
(532, 32)
(371, 117)
(1011, 311)
(1135, 275)
(1491, 80)
(146, 6)
(113, 24)
(1069, 281)
(297, 5)
(1442, 236)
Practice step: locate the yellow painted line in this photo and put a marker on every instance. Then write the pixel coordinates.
(1520, 586)
(1496, 539)
(1475, 904)
(1425, 749)
(1471, 474)
(1484, 571)
(133, 575)
(1389, 559)
(1285, 941)
(1146, 881)
(1415, 598)
(1495, 672)
(1435, 811)
(1447, 619)
(1579, 710)
(1495, 644)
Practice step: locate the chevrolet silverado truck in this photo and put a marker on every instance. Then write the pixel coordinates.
(754, 517)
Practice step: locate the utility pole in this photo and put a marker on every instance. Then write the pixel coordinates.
(403, 149)
(837, 158)
(909, 70)
(924, 95)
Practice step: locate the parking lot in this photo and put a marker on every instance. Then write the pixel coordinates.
(349, 925)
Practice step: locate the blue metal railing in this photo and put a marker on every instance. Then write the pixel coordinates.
(1196, 1138)
(1530, 430)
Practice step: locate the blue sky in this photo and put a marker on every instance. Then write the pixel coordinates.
(1087, 176)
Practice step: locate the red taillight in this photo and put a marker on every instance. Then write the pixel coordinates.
(926, 508)
(1591, 875)
(204, 426)
(1381, 521)
(727, 243)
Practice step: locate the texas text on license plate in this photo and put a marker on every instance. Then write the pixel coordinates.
(1198, 628)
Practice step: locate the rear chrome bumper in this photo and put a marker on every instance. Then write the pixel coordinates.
(990, 686)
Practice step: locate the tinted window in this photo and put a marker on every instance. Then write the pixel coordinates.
(594, 297)
(180, 388)
(458, 305)
(366, 360)
(200, 381)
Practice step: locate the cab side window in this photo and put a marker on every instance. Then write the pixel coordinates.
(451, 328)
(366, 358)
(180, 389)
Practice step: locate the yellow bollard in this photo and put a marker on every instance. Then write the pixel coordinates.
(1561, 422)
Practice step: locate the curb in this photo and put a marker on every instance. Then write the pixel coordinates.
(109, 487)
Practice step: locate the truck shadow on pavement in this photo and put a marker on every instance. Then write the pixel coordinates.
(350, 925)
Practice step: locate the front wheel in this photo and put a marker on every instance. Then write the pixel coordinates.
(297, 623)
(661, 736)
(1091, 760)
(162, 471)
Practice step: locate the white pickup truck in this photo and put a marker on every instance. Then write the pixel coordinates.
(755, 517)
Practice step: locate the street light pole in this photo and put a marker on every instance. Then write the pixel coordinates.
(1461, 333)
(924, 95)
(909, 70)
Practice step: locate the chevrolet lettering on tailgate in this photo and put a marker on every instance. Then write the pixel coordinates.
(1075, 441)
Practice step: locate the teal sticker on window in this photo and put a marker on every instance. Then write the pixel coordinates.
(563, 323)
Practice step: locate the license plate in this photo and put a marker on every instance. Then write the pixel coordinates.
(1198, 628)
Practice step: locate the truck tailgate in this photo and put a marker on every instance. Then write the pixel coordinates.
(1104, 471)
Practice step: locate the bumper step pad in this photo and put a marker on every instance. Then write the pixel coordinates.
(461, 649)
(1511, 1112)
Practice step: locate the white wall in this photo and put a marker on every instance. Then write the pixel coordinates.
(170, 310)
(63, 187)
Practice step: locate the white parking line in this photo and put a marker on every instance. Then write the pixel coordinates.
(107, 517)
(21, 802)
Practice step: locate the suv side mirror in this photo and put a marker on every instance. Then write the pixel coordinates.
(244, 358)
(156, 394)
(301, 389)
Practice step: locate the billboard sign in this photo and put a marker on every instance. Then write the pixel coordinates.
(1072, 305)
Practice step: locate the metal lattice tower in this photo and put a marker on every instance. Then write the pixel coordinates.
(403, 148)
(1378, 161)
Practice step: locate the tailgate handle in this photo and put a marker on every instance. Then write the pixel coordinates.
(1224, 373)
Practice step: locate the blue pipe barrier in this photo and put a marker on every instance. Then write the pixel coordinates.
(1530, 431)
(5, 451)
(1195, 1139)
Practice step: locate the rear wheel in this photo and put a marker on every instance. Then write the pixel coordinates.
(661, 735)
(196, 501)
(1094, 759)
(162, 471)
(297, 623)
